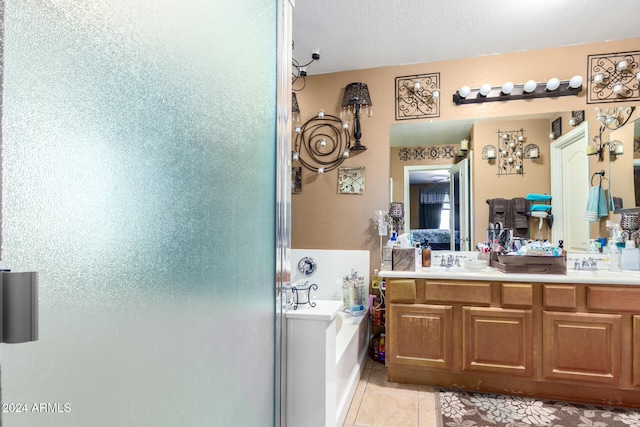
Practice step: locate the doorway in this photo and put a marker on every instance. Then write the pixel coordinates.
(570, 188)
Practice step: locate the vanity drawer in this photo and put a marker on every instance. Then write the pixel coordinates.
(560, 297)
(401, 290)
(605, 298)
(478, 293)
(518, 295)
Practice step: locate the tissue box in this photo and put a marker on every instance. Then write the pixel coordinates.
(387, 262)
(404, 259)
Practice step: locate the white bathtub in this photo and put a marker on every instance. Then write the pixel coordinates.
(352, 338)
(326, 354)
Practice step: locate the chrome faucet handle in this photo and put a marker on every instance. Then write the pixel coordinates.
(457, 261)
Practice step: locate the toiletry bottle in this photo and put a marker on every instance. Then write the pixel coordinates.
(345, 292)
(426, 254)
(614, 256)
(630, 257)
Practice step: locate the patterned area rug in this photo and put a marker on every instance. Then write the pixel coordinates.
(465, 409)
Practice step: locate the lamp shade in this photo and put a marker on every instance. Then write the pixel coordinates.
(396, 210)
(356, 94)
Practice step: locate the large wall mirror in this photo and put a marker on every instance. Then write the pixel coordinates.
(430, 168)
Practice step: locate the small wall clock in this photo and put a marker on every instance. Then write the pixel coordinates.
(351, 180)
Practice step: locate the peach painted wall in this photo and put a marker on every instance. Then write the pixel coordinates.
(324, 219)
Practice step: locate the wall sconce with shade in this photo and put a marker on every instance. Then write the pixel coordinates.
(553, 88)
(299, 71)
(611, 119)
(614, 77)
(356, 96)
(418, 96)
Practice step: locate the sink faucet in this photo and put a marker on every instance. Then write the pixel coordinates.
(589, 264)
(449, 261)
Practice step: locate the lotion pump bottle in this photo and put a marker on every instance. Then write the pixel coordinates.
(426, 254)
(614, 256)
(630, 258)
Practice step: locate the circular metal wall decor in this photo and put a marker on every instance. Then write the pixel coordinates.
(307, 266)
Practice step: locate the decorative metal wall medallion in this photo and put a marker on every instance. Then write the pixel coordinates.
(405, 154)
(612, 77)
(419, 153)
(510, 152)
(412, 103)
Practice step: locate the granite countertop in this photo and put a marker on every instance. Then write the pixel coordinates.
(600, 276)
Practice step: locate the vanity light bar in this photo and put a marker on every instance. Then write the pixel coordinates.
(519, 91)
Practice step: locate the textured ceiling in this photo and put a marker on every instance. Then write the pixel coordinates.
(358, 34)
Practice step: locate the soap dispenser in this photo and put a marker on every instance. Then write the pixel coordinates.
(630, 257)
(426, 254)
(614, 256)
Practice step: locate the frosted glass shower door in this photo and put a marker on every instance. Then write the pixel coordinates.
(138, 179)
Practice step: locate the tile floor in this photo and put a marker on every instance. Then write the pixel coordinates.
(380, 403)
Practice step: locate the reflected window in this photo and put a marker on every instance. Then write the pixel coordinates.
(445, 212)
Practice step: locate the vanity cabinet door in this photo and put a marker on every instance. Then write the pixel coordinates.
(420, 335)
(497, 340)
(582, 347)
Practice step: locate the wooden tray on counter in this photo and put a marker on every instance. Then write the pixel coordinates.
(527, 264)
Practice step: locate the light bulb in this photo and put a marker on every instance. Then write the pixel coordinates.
(617, 88)
(553, 84)
(598, 78)
(530, 86)
(622, 65)
(485, 89)
(575, 82)
(507, 87)
(464, 91)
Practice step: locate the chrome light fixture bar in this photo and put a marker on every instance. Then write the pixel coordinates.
(509, 91)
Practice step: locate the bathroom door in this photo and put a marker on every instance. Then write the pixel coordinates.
(570, 189)
(460, 204)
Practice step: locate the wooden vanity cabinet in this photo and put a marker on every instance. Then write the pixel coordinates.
(574, 342)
